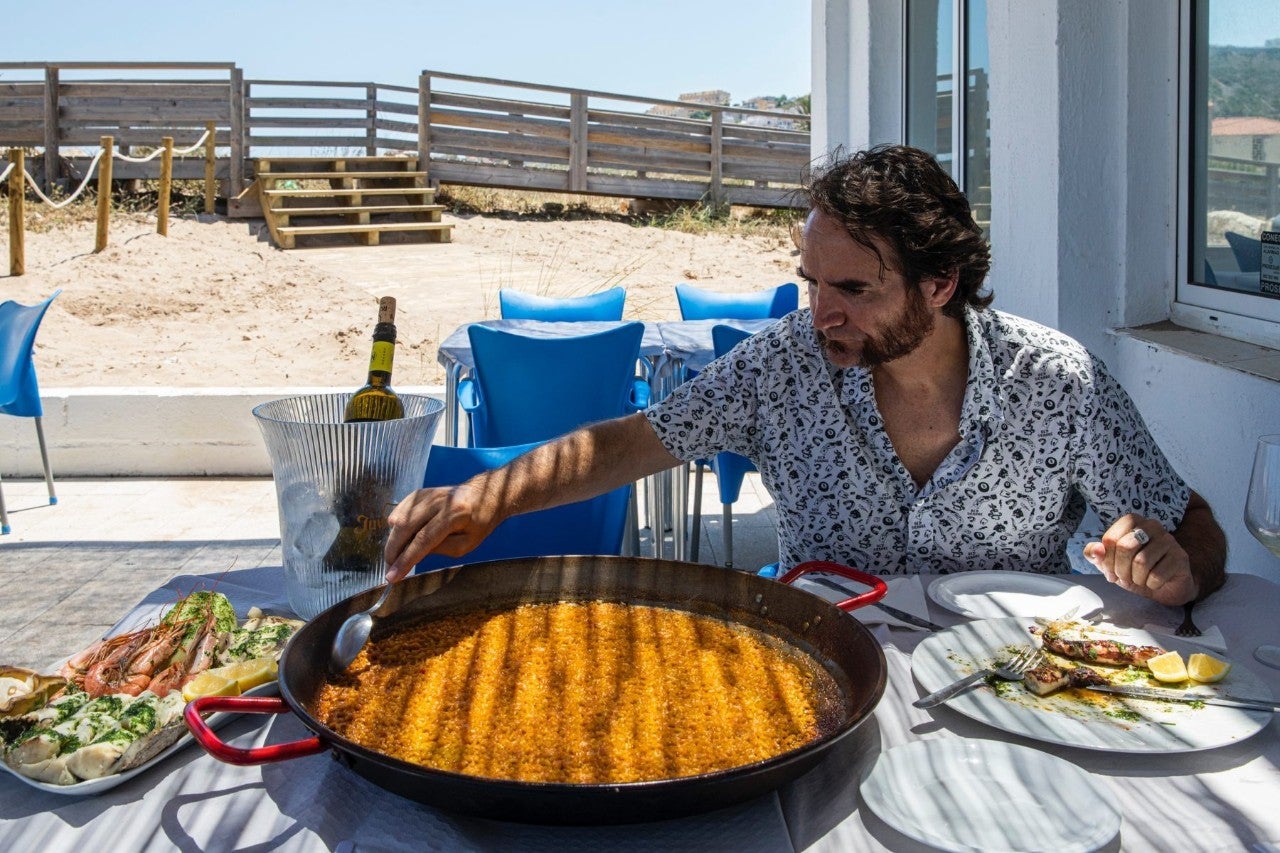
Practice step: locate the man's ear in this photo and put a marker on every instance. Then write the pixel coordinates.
(937, 292)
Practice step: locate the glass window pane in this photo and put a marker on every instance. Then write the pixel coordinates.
(930, 77)
(977, 132)
(1235, 144)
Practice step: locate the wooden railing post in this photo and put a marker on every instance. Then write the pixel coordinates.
(52, 165)
(371, 121)
(104, 194)
(236, 173)
(424, 125)
(578, 142)
(717, 159)
(210, 185)
(166, 183)
(17, 214)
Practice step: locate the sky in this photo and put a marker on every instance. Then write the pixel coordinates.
(648, 48)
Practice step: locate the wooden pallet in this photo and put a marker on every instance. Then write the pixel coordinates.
(363, 197)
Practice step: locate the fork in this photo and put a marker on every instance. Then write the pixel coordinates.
(1011, 670)
(1187, 628)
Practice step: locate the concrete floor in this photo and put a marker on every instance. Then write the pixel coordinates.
(68, 572)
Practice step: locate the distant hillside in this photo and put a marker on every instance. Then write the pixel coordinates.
(1245, 81)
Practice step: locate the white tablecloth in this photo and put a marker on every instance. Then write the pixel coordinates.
(1217, 799)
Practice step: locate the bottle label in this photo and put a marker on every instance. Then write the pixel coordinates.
(380, 359)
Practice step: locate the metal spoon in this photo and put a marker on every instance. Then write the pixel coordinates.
(353, 633)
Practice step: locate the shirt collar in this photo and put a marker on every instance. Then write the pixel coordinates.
(982, 410)
(982, 401)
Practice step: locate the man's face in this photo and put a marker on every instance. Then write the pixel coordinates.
(860, 319)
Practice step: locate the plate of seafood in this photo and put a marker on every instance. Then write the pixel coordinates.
(992, 595)
(115, 709)
(991, 796)
(1071, 697)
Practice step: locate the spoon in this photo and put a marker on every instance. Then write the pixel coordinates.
(353, 633)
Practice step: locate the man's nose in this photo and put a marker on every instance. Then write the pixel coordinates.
(826, 311)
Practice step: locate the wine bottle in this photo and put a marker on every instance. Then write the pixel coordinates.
(376, 401)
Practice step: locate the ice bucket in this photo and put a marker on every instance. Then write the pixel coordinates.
(336, 483)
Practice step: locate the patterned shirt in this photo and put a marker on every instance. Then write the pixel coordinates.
(1044, 431)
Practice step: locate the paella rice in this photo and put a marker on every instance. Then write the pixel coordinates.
(583, 692)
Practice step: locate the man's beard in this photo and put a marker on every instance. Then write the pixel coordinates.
(902, 336)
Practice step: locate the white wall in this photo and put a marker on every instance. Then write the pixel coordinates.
(1084, 125)
(150, 432)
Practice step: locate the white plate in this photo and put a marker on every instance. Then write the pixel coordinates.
(982, 795)
(991, 595)
(90, 787)
(1113, 724)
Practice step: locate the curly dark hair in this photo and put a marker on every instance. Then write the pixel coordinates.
(901, 195)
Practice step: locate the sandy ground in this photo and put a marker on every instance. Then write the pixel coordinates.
(216, 304)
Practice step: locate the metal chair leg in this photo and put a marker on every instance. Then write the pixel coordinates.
(44, 457)
(728, 536)
(4, 516)
(695, 531)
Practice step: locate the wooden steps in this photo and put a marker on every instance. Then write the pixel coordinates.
(364, 198)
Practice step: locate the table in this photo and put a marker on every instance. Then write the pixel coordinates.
(1217, 799)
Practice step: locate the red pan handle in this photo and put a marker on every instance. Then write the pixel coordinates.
(878, 587)
(223, 751)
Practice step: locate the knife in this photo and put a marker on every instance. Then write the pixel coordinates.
(1185, 696)
(909, 618)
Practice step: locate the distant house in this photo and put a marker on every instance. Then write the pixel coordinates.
(1246, 138)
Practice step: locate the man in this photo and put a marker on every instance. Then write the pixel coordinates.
(900, 424)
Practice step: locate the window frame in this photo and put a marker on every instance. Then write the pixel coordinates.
(1244, 317)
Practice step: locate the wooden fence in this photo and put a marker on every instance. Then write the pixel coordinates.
(464, 129)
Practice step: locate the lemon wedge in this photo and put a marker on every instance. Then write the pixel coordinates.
(1207, 668)
(1168, 667)
(248, 674)
(210, 683)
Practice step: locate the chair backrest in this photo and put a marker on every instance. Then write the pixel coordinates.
(1248, 251)
(19, 391)
(725, 338)
(594, 526)
(532, 389)
(605, 305)
(697, 303)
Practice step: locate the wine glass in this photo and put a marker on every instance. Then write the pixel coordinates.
(1262, 515)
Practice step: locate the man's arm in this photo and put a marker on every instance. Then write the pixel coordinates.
(1171, 567)
(585, 463)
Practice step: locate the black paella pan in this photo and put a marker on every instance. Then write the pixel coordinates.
(808, 623)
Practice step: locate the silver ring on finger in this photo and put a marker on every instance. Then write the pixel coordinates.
(1141, 535)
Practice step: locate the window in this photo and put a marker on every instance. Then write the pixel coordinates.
(1231, 93)
(947, 41)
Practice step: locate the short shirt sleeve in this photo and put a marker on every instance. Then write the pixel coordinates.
(716, 410)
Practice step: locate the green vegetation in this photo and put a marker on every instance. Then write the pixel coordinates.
(686, 217)
(1244, 81)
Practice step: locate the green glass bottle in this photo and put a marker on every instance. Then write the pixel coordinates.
(376, 401)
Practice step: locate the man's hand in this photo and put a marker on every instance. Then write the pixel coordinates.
(1139, 555)
(585, 463)
(445, 520)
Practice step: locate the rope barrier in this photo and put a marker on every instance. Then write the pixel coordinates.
(6, 172)
(58, 205)
(154, 154)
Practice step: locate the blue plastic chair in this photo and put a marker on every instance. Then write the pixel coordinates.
(1248, 251)
(729, 468)
(605, 305)
(19, 390)
(697, 303)
(593, 526)
(525, 389)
